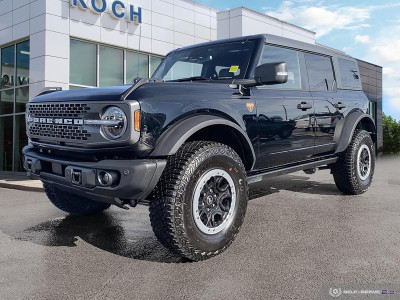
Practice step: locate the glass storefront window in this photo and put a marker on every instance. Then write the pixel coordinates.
(20, 141)
(21, 98)
(111, 66)
(137, 65)
(14, 94)
(74, 87)
(7, 67)
(6, 143)
(83, 61)
(6, 102)
(96, 65)
(155, 61)
(23, 53)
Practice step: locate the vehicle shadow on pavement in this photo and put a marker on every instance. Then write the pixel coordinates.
(294, 183)
(132, 237)
(103, 231)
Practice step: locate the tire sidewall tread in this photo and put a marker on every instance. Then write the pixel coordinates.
(345, 169)
(171, 204)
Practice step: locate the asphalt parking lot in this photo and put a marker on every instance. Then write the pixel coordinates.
(300, 237)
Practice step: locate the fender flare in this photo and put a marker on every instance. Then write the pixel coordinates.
(345, 129)
(172, 139)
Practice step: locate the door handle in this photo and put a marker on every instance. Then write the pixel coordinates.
(340, 105)
(304, 106)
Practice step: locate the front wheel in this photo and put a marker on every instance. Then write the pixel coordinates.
(354, 170)
(199, 204)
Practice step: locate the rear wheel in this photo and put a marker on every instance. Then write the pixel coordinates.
(199, 204)
(73, 204)
(354, 170)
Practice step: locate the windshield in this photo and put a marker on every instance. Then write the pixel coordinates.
(212, 62)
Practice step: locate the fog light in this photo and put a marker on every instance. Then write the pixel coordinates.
(107, 178)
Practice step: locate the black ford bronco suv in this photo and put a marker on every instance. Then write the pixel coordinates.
(214, 119)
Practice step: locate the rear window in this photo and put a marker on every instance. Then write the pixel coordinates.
(320, 72)
(349, 73)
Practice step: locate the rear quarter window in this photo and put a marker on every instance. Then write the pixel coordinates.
(349, 73)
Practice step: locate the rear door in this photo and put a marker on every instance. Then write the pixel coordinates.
(331, 105)
(284, 112)
(322, 85)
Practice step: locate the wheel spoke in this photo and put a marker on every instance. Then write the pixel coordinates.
(221, 184)
(209, 220)
(213, 223)
(224, 200)
(211, 184)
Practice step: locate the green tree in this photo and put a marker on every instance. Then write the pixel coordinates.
(391, 135)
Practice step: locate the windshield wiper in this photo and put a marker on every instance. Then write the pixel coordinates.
(194, 78)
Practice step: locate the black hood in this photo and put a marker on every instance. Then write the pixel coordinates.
(95, 94)
(149, 91)
(196, 90)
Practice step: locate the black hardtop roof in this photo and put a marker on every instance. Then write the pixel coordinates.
(277, 40)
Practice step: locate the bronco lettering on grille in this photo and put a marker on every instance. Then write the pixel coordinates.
(58, 121)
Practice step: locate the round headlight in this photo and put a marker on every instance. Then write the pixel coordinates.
(116, 130)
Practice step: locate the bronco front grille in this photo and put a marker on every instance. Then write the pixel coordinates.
(58, 110)
(59, 131)
(70, 110)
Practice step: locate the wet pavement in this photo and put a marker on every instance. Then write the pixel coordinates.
(300, 236)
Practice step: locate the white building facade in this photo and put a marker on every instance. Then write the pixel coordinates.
(92, 43)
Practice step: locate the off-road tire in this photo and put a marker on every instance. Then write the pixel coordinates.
(345, 171)
(171, 202)
(73, 204)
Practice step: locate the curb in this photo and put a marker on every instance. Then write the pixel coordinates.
(20, 187)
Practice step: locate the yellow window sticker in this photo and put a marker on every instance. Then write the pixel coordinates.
(233, 69)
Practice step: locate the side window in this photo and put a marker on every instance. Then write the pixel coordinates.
(349, 73)
(273, 54)
(320, 72)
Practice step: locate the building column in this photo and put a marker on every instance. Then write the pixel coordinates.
(49, 60)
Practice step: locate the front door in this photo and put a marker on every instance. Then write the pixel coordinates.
(285, 113)
(285, 129)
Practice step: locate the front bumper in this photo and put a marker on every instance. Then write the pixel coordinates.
(135, 179)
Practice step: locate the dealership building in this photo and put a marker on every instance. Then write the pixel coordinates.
(92, 43)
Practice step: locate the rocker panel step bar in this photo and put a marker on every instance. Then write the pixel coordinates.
(262, 176)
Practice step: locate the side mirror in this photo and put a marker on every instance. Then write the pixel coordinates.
(271, 73)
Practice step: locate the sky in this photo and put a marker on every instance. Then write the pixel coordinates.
(368, 30)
